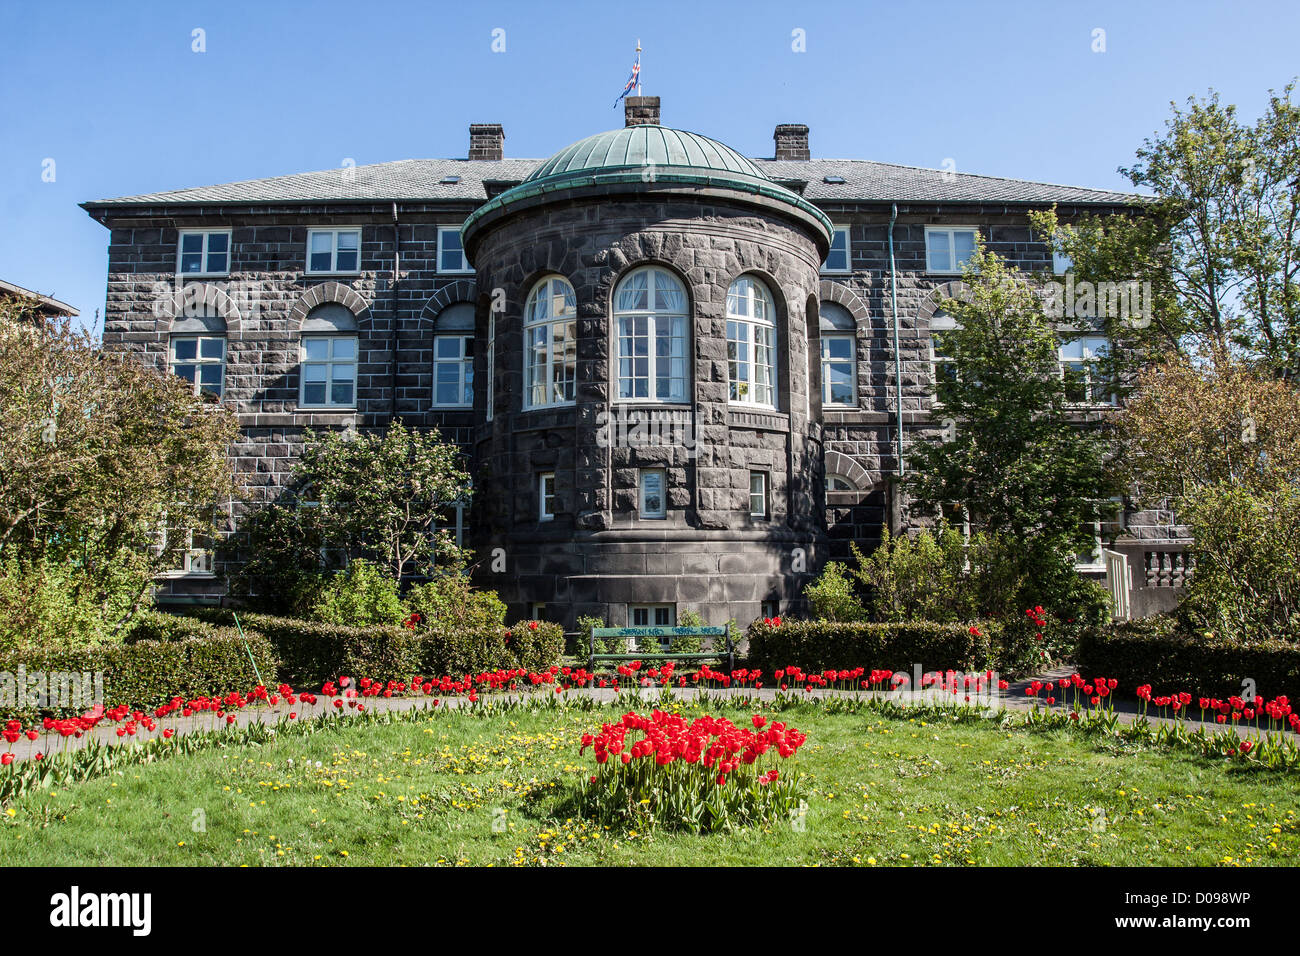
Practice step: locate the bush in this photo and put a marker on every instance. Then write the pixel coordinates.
(832, 596)
(313, 652)
(535, 649)
(41, 608)
(822, 645)
(449, 602)
(156, 625)
(917, 577)
(1161, 652)
(363, 595)
(277, 559)
(604, 645)
(147, 674)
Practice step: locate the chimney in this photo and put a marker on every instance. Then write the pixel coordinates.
(792, 141)
(641, 111)
(486, 140)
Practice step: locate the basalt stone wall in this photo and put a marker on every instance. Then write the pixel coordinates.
(260, 307)
(597, 555)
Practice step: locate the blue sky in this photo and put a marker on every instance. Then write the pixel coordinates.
(113, 93)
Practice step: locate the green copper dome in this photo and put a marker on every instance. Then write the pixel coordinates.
(644, 146)
(643, 160)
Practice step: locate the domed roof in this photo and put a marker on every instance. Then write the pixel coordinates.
(644, 146)
(645, 160)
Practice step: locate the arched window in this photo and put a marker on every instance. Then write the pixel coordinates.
(453, 356)
(839, 483)
(329, 358)
(650, 317)
(751, 343)
(839, 378)
(198, 351)
(550, 344)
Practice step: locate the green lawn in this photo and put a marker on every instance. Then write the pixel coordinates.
(456, 788)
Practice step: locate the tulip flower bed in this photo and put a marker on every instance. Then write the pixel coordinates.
(501, 784)
(701, 776)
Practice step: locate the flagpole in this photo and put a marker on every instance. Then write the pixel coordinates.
(638, 63)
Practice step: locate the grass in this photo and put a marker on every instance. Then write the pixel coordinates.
(454, 788)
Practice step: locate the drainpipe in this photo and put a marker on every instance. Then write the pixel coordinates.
(397, 268)
(898, 358)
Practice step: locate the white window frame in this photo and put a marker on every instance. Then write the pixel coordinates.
(642, 510)
(952, 249)
(199, 362)
(546, 496)
(853, 369)
(832, 478)
(766, 480)
(491, 365)
(335, 232)
(330, 364)
(464, 270)
(653, 317)
(752, 327)
(939, 324)
(462, 362)
(195, 562)
(570, 322)
(1098, 559)
(847, 232)
(538, 609)
(651, 612)
(205, 253)
(1089, 363)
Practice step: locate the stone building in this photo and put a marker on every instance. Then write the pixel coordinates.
(682, 376)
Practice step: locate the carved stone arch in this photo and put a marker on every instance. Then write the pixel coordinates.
(840, 294)
(194, 300)
(325, 293)
(462, 290)
(956, 289)
(838, 463)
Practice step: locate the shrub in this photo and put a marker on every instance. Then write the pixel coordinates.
(449, 602)
(360, 596)
(313, 652)
(156, 625)
(922, 576)
(832, 596)
(147, 674)
(535, 649)
(1161, 652)
(277, 559)
(822, 645)
(604, 645)
(41, 608)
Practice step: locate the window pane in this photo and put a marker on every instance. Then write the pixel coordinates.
(184, 371)
(939, 251)
(217, 262)
(316, 349)
(192, 242)
(213, 348)
(320, 262)
(313, 393)
(314, 373)
(184, 349)
(341, 393)
(210, 374)
(345, 348)
(218, 242)
(447, 347)
(964, 246)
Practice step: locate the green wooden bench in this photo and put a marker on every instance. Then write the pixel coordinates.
(660, 635)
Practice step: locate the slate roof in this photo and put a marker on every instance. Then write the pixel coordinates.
(421, 180)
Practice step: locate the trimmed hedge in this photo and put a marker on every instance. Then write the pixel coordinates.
(1156, 651)
(821, 645)
(312, 652)
(146, 674)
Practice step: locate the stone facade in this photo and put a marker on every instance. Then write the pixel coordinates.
(597, 556)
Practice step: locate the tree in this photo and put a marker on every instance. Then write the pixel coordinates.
(385, 493)
(100, 456)
(1219, 438)
(1012, 452)
(1220, 239)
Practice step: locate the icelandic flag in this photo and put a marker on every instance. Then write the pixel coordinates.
(632, 80)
